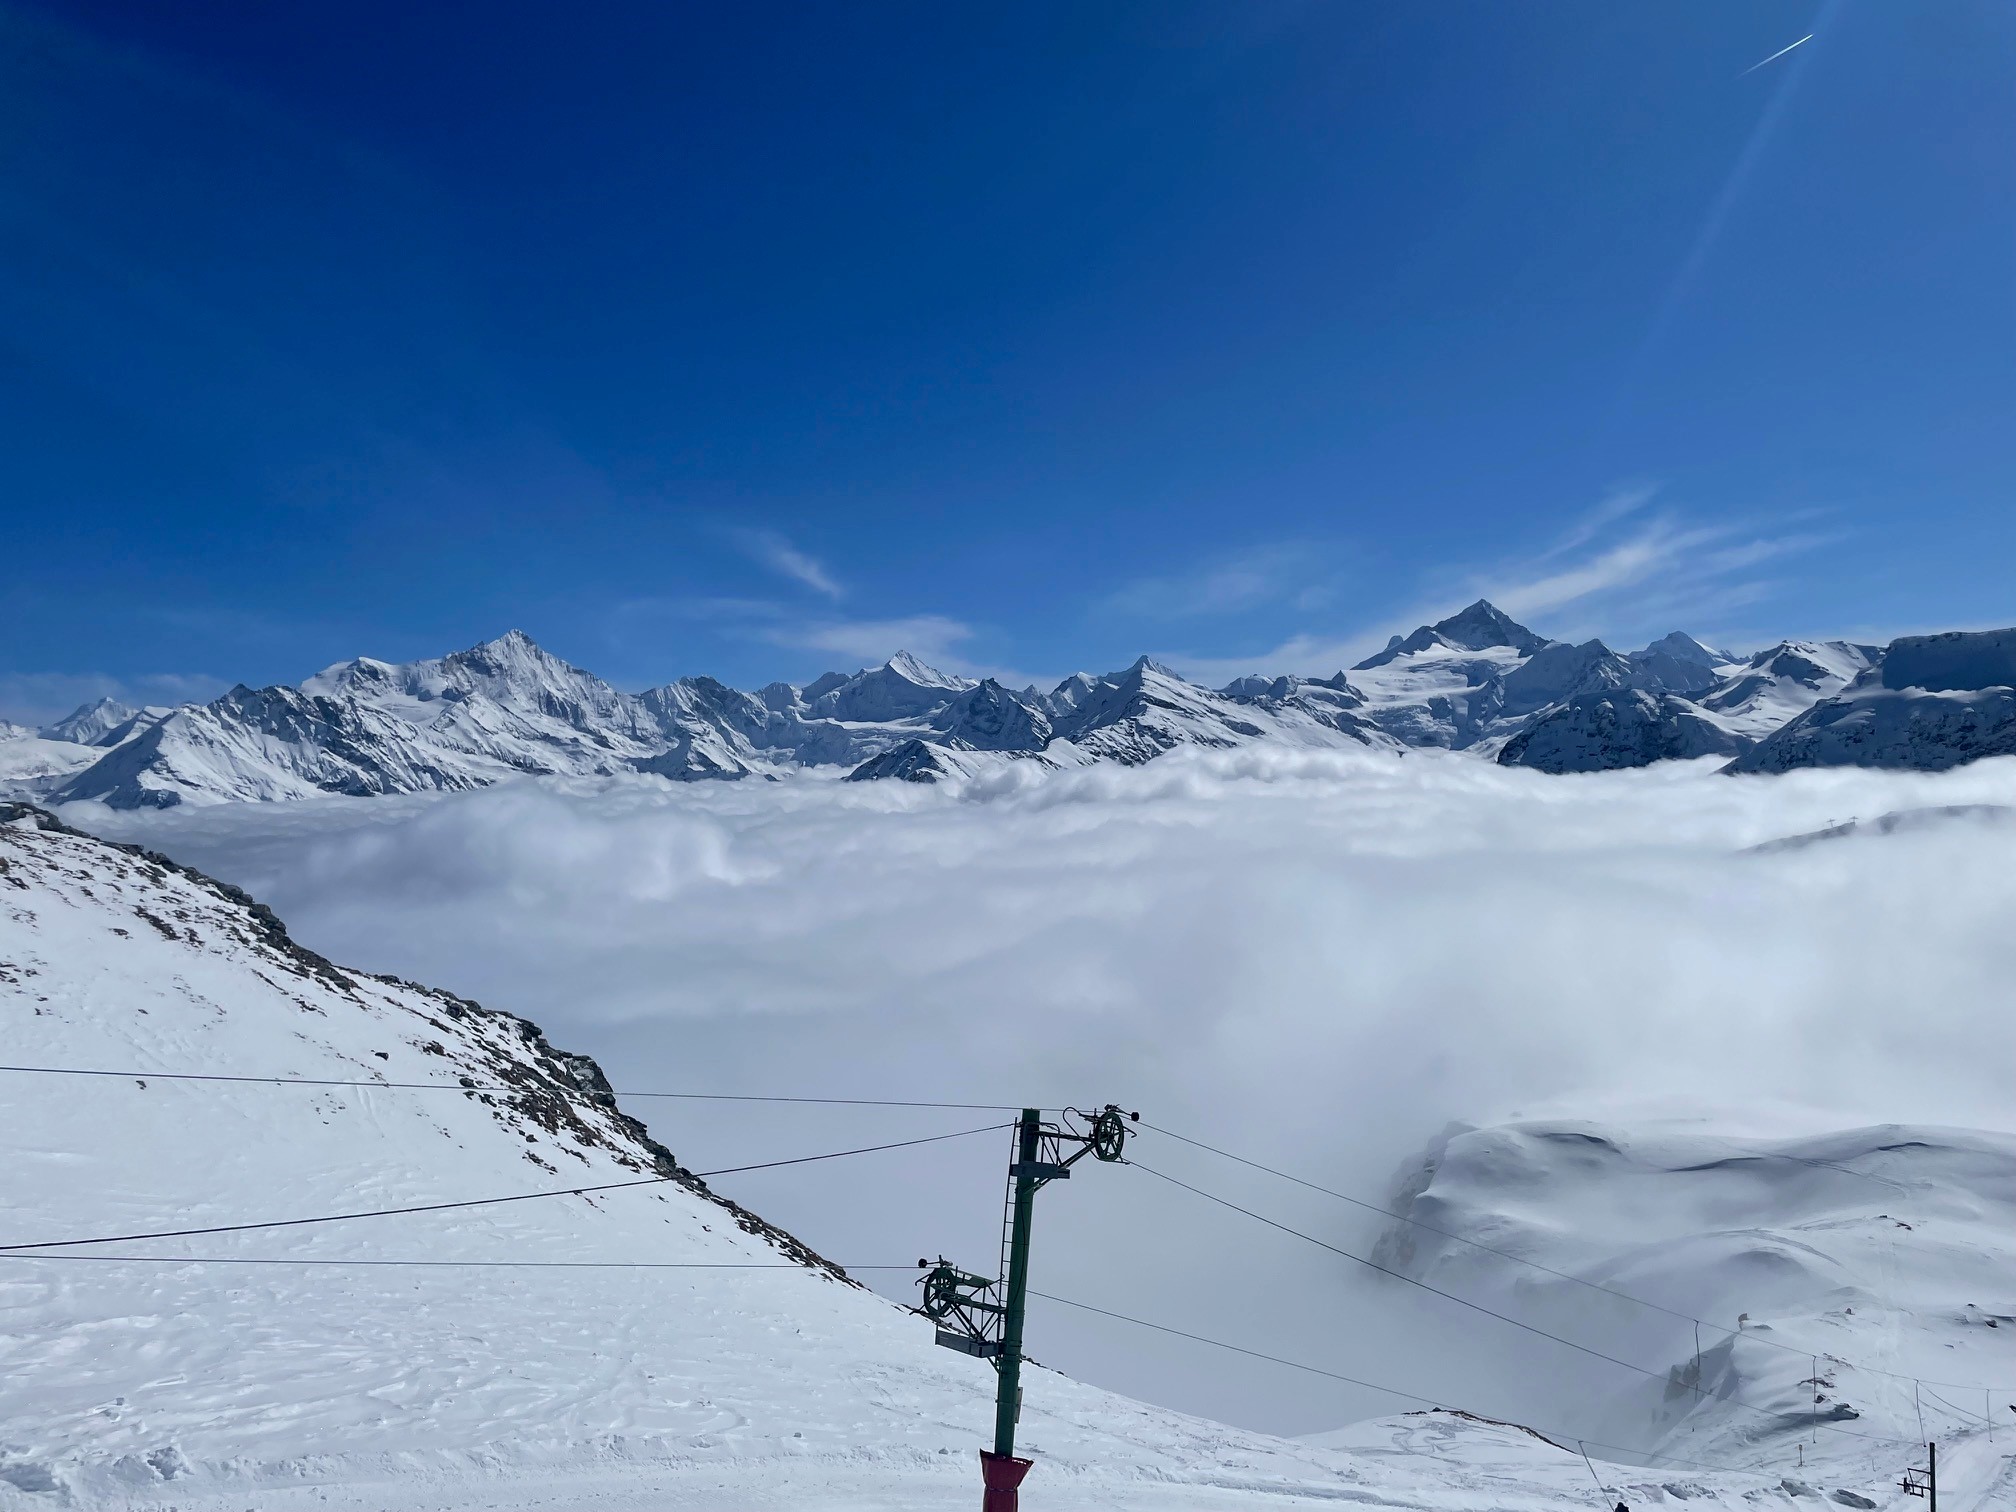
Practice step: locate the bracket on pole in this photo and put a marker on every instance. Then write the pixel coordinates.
(1924, 1482)
(983, 1317)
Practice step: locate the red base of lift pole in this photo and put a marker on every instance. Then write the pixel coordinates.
(1002, 1474)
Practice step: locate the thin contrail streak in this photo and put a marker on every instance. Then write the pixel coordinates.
(1777, 55)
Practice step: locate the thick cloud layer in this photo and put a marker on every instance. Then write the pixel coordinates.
(1318, 959)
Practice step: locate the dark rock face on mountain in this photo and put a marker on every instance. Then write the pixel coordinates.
(1558, 672)
(1629, 727)
(1672, 674)
(1958, 661)
(1481, 627)
(1137, 715)
(1930, 703)
(1881, 727)
(987, 717)
(1476, 680)
(912, 761)
(1683, 647)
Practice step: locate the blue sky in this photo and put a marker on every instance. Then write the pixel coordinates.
(755, 341)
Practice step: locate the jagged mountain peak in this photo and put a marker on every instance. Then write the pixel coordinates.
(89, 722)
(1681, 646)
(1145, 666)
(1481, 626)
(903, 687)
(512, 654)
(1484, 624)
(908, 666)
(512, 669)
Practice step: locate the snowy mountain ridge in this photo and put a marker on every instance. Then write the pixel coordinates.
(1477, 681)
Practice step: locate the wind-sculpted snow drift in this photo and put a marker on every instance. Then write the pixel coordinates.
(754, 1379)
(1477, 681)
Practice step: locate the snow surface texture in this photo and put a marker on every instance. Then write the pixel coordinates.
(192, 1385)
(1476, 681)
(1313, 958)
(1864, 1280)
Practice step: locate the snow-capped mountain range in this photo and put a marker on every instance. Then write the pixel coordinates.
(655, 1346)
(1477, 681)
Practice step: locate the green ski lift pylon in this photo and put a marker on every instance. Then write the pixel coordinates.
(983, 1317)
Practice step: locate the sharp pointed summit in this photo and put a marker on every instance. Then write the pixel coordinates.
(1483, 626)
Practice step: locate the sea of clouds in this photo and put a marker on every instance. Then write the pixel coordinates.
(1318, 959)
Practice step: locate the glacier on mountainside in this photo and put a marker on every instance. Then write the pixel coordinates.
(1477, 679)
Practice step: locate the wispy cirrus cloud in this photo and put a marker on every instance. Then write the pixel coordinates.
(937, 639)
(1293, 573)
(1621, 570)
(774, 550)
(930, 636)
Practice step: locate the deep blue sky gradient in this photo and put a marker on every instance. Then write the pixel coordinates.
(757, 340)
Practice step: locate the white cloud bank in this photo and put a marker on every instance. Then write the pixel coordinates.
(1314, 958)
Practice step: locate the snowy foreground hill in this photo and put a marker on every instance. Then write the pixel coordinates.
(1809, 1301)
(1476, 681)
(275, 1368)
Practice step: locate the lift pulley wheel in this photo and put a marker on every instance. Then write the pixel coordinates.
(1109, 1133)
(946, 1288)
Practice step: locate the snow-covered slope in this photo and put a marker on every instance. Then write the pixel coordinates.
(1600, 732)
(90, 723)
(1783, 681)
(1134, 716)
(1441, 686)
(1931, 702)
(739, 1373)
(1677, 699)
(1683, 647)
(31, 766)
(1883, 1255)
(1479, 678)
